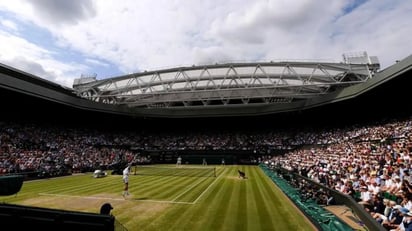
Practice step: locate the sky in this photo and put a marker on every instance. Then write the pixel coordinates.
(62, 40)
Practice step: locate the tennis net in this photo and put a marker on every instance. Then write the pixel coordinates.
(174, 171)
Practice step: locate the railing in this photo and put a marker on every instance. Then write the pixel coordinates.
(322, 218)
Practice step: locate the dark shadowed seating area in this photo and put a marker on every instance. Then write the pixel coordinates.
(19, 217)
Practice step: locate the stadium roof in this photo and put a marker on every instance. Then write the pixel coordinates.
(219, 90)
(229, 84)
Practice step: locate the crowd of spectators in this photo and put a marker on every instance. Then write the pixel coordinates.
(53, 151)
(372, 163)
(26, 147)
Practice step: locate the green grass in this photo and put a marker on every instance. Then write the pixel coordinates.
(172, 203)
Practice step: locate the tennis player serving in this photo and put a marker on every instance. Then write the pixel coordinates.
(126, 173)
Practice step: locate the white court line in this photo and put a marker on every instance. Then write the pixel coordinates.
(181, 194)
(117, 199)
(194, 202)
(156, 201)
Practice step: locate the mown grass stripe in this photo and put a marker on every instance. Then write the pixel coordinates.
(221, 197)
(222, 203)
(207, 189)
(111, 198)
(262, 206)
(194, 216)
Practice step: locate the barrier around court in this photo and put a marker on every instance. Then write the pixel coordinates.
(319, 216)
(10, 184)
(19, 217)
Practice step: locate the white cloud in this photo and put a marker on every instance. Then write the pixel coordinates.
(146, 35)
(28, 57)
(9, 24)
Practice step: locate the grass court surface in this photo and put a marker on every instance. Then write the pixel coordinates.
(168, 201)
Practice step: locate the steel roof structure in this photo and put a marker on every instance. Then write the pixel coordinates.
(228, 84)
(227, 90)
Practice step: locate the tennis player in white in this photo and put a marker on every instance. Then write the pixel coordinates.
(126, 173)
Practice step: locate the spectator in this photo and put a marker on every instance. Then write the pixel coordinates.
(105, 209)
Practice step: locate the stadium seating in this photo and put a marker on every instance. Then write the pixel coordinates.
(19, 217)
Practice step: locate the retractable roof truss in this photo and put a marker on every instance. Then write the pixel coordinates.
(225, 84)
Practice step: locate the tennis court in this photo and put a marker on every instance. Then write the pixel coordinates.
(166, 198)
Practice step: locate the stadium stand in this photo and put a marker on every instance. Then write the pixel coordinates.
(324, 154)
(18, 217)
